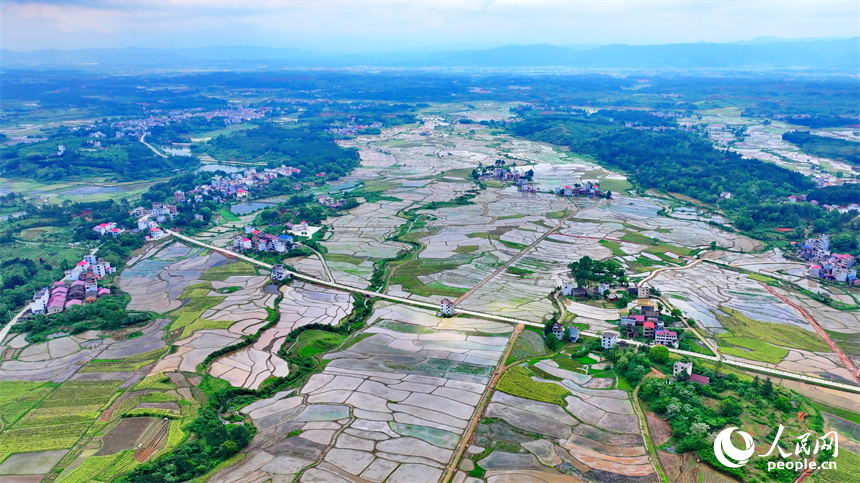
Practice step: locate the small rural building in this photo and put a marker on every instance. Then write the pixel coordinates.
(558, 331)
(446, 308)
(279, 272)
(567, 289)
(680, 367)
(665, 337)
(648, 330)
(573, 333)
(608, 339)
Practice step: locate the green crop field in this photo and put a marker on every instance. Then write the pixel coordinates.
(407, 274)
(528, 344)
(222, 272)
(59, 420)
(466, 249)
(513, 245)
(756, 349)
(615, 184)
(101, 468)
(783, 335)
(155, 381)
(18, 397)
(517, 381)
(201, 289)
(637, 238)
(760, 278)
(848, 342)
(556, 215)
(847, 469)
(189, 314)
(614, 247)
(403, 327)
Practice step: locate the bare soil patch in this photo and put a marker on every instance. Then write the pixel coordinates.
(125, 435)
(660, 430)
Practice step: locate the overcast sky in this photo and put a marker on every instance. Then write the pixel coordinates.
(383, 26)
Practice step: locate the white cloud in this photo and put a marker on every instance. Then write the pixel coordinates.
(337, 25)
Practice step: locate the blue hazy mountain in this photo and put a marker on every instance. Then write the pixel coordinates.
(759, 54)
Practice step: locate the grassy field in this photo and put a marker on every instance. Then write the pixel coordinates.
(614, 247)
(225, 213)
(615, 185)
(463, 249)
(189, 315)
(313, 342)
(407, 275)
(517, 381)
(222, 272)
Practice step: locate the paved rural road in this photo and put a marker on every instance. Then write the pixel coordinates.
(324, 264)
(5, 329)
(150, 146)
(511, 320)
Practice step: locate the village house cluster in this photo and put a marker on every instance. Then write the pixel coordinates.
(351, 128)
(79, 286)
(827, 265)
(523, 181)
(139, 127)
(571, 290)
(109, 228)
(649, 324)
(238, 185)
(587, 189)
(558, 332)
(327, 200)
(263, 242)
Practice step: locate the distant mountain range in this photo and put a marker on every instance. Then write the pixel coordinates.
(828, 55)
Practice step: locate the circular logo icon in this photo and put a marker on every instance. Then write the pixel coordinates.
(725, 451)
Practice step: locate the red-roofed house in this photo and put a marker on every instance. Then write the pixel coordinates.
(700, 379)
(665, 337)
(648, 330)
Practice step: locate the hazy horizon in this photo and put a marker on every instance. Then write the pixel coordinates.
(337, 27)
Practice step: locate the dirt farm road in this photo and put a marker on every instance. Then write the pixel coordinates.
(479, 409)
(511, 320)
(821, 332)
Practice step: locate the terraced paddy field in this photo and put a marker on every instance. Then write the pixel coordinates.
(302, 304)
(548, 423)
(391, 406)
(461, 245)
